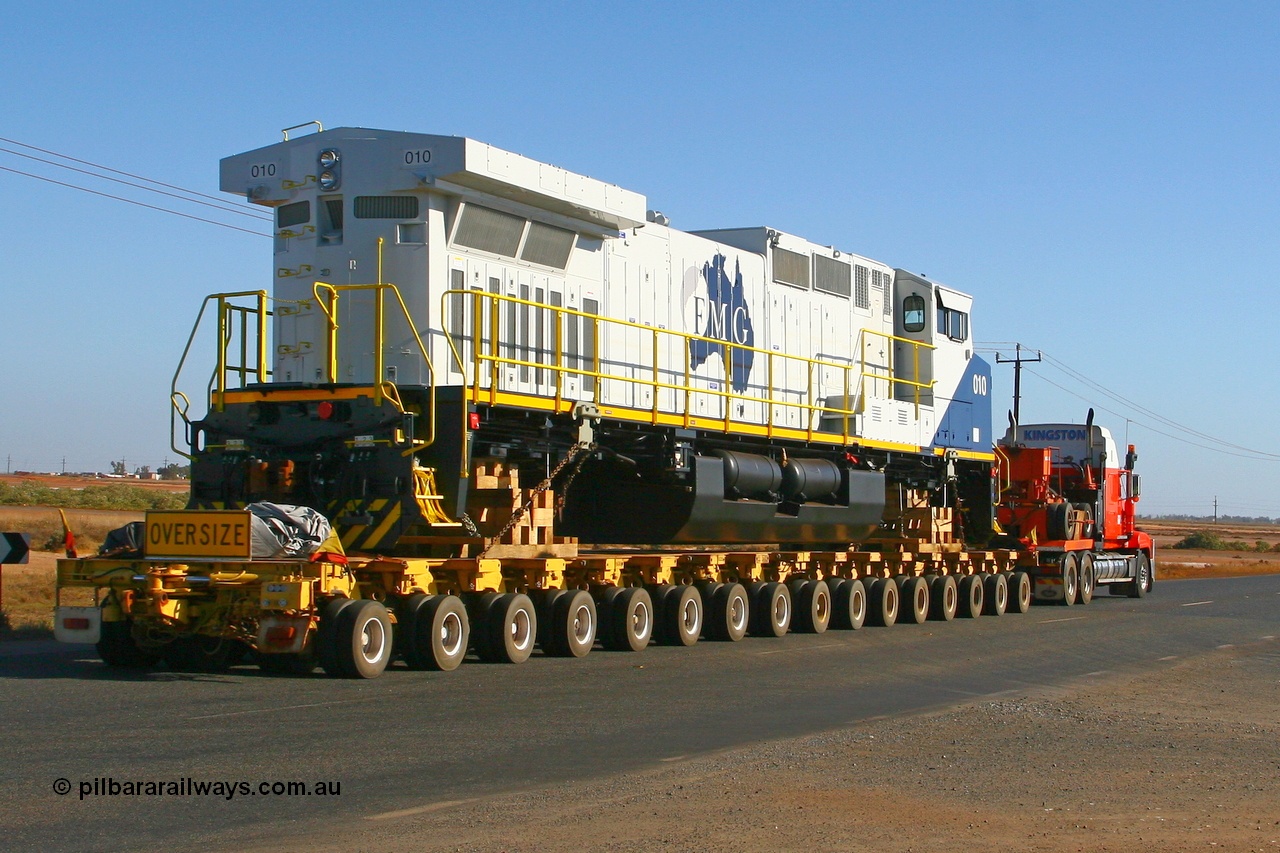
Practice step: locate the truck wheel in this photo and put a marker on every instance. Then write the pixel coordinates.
(1070, 578)
(438, 634)
(510, 627)
(1019, 592)
(1057, 519)
(364, 639)
(971, 597)
(848, 604)
(1144, 578)
(995, 594)
(813, 606)
(913, 600)
(1084, 589)
(630, 617)
(772, 609)
(117, 647)
(944, 598)
(882, 609)
(729, 613)
(574, 623)
(406, 609)
(681, 615)
(327, 635)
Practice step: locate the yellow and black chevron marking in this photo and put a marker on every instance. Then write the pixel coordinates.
(389, 522)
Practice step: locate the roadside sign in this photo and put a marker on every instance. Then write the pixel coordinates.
(14, 547)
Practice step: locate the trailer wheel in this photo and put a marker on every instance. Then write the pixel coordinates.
(364, 639)
(971, 597)
(327, 635)
(1019, 592)
(944, 598)
(117, 647)
(772, 609)
(574, 624)
(813, 606)
(1070, 578)
(403, 646)
(681, 615)
(729, 613)
(510, 627)
(630, 617)
(882, 609)
(848, 604)
(437, 634)
(995, 594)
(1143, 579)
(913, 600)
(1084, 589)
(1057, 519)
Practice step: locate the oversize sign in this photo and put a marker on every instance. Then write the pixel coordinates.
(215, 533)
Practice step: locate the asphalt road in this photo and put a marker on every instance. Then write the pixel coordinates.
(411, 740)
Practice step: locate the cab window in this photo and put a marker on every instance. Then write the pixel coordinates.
(913, 313)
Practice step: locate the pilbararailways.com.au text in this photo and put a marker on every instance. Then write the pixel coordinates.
(109, 786)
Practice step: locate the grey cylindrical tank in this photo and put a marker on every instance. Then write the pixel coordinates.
(749, 474)
(810, 478)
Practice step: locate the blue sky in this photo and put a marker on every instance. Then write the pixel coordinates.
(1102, 177)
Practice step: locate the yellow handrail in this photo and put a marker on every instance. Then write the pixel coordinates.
(489, 363)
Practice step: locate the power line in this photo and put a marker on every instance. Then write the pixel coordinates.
(131, 201)
(108, 169)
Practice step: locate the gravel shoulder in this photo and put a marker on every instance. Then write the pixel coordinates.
(1185, 756)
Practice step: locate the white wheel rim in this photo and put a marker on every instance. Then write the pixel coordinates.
(821, 605)
(691, 616)
(373, 641)
(640, 623)
(581, 627)
(781, 611)
(857, 606)
(451, 634)
(737, 612)
(521, 636)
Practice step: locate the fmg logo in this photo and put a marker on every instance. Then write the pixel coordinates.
(723, 315)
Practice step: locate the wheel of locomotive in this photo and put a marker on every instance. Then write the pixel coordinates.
(1085, 587)
(882, 602)
(728, 613)
(971, 597)
(1070, 568)
(630, 615)
(199, 653)
(913, 599)
(438, 634)
(813, 606)
(848, 604)
(363, 639)
(1144, 577)
(574, 624)
(681, 615)
(406, 609)
(1019, 592)
(326, 642)
(995, 594)
(117, 647)
(944, 598)
(771, 609)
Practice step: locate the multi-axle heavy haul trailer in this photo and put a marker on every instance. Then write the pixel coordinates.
(528, 413)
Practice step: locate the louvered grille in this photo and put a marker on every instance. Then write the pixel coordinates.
(489, 230)
(547, 245)
(386, 207)
(791, 268)
(831, 276)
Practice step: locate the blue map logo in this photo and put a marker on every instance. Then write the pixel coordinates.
(726, 319)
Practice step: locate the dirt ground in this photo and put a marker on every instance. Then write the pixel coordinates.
(1183, 758)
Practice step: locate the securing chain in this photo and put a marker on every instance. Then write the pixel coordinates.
(580, 452)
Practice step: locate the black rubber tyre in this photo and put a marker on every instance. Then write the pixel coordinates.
(882, 602)
(545, 603)
(971, 597)
(407, 609)
(1070, 567)
(771, 610)
(728, 613)
(944, 598)
(199, 653)
(995, 594)
(1086, 531)
(117, 647)
(575, 623)
(631, 619)
(1020, 592)
(326, 642)
(364, 639)
(813, 606)
(681, 615)
(510, 628)
(913, 600)
(1084, 589)
(848, 604)
(1058, 521)
(1145, 580)
(439, 634)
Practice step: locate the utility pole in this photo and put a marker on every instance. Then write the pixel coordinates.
(1017, 361)
(1215, 509)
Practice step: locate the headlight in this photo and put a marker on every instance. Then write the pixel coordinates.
(328, 181)
(328, 158)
